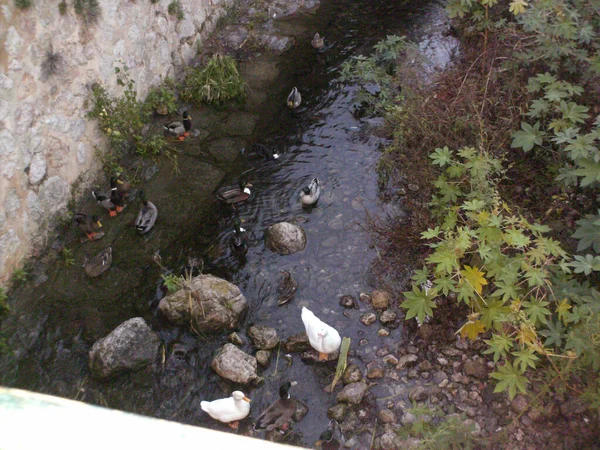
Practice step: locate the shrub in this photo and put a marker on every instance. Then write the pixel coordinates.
(162, 99)
(216, 83)
(62, 8)
(52, 64)
(175, 9)
(89, 10)
(23, 4)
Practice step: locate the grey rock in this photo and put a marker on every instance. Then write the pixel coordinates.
(235, 339)
(387, 416)
(387, 441)
(365, 298)
(54, 195)
(368, 319)
(130, 346)
(353, 393)
(235, 35)
(338, 412)
(352, 374)
(424, 366)
(383, 332)
(37, 169)
(241, 124)
(297, 343)
(421, 393)
(275, 43)
(347, 301)
(387, 316)
(216, 305)
(439, 377)
(285, 238)
(263, 337)
(12, 204)
(519, 404)
(263, 357)
(375, 373)
(235, 365)
(380, 300)
(391, 360)
(406, 361)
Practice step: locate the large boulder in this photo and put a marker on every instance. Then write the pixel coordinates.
(285, 238)
(130, 346)
(209, 303)
(235, 365)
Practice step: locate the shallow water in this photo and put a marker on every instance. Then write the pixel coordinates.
(61, 317)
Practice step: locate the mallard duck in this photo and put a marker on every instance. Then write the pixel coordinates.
(123, 186)
(317, 41)
(147, 215)
(287, 289)
(180, 129)
(110, 200)
(238, 240)
(294, 99)
(261, 150)
(322, 337)
(279, 414)
(89, 225)
(234, 194)
(332, 438)
(310, 194)
(99, 263)
(229, 410)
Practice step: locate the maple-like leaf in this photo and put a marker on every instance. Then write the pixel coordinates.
(419, 303)
(509, 378)
(474, 277)
(472, 329)
(525, 358)
(562, 309)
(499, 344)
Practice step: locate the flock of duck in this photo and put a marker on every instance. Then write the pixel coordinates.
(322, 337)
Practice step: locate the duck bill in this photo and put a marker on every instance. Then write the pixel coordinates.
(119, 181)
(99, 224)
(247, 399)
(294, 383)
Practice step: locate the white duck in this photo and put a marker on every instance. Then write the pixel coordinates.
(229, 410)
(322, 337)
(310, 194)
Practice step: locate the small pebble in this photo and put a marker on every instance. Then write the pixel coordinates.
(368, 319)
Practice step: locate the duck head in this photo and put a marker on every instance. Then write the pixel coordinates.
(239, 396)
(284, 389)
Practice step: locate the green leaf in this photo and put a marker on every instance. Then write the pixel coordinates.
(588, 232)
(537, 311)
(499, 344)
(573, 112)
(420, 276)
(444, 284)
(431, 233)
(589, 170)
(586, 264)
(495, 313)
(508, 291)
(419, 304)
(441, 157)
(554, 334)
(528, 136)
(525, 359)
(538, 108)
(509, 378)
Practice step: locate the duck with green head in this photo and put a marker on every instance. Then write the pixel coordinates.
(180, 129)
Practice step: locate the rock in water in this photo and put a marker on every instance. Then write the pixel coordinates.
(235, 365)
(263, 337)
(130, 346)
(285, 238)
(212, 304)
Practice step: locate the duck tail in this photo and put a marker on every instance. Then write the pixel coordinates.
(205, 406)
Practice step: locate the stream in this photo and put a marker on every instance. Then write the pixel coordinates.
(60, 312)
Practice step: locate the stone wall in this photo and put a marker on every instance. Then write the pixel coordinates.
(46, 142)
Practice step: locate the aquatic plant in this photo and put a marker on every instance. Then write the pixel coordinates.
(216, 83)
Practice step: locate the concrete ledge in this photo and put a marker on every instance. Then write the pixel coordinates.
(31, 421)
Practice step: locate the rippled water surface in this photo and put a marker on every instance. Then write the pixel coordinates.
(61, 317)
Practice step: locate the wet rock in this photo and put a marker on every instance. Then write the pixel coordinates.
(285, 238)
(424, 366)
(368, 319)
(422, 393)
(275, 43)
(383, 351)
(476, 368)
(375, 373)
(461, 344)
(460, 378)
(215, 305)
(362, 342)
(383, 332)
(519, 404)
(312, 357)
(353, 393)
(337, 223)
(263, 357)
(347, 301)
(235, 36)
(406, 361)
(130, 346)
(365, 298)
(240, 124)
(338, 412)
(225, 149)
(439, 377)
(235, 365)
(387, 416)
(297, 343)
(263, 337)
(387, 441)
(380, 300)
(352, 374)
(301, 411)
(235, 339)
(391, 360)
(451, 352)
(387, 317)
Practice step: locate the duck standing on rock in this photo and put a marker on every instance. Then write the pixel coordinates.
(180, 129)
(322, 337)
(317, 41)
(147, 216)
(279, 414)
(234, 194)
(311, 193)
(229, 410)
(294, 99)
(89, 225)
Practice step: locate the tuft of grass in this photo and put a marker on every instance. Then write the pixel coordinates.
(88, 10)
(67, 257)
(23, 4)
(342, 360)
(216, 83)
(62, 8)
(20, 275)
(52, 64)
(4, 308)
(175, 9)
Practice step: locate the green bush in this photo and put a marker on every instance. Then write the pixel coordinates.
(23, 4)
(62, 8)
(216, 83)
(175, 9)
(162, 99)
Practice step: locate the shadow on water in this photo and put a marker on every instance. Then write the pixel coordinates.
(61, 318)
